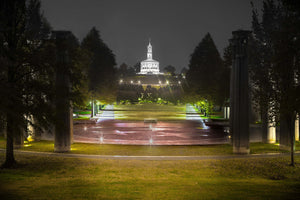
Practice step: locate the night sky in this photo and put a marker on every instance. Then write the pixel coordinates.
(174, 26)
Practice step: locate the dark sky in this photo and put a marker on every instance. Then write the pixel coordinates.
(174, 26)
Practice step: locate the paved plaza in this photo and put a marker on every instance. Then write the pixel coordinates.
(108, 130)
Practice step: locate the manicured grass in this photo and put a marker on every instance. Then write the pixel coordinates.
(136, 150)
(157, 111)
(82, 118)
(83, 112)
(38, 177)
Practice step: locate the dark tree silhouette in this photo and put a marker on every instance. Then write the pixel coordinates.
(101, 72)
(277, 40)
(205, 70)
(170, 70)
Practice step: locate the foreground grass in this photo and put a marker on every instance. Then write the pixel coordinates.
(39, 177)
(136, 150)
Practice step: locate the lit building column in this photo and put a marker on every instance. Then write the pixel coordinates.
(272, 131)
(297, 128)
(239, 96)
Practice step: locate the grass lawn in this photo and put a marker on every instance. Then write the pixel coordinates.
(136, 150)
(157, 111)
(39, 177)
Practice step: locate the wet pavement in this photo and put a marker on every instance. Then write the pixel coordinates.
(108, 130)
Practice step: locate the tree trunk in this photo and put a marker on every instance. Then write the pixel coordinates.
(92, 108)
(264, 123)
(287, 133)
(9, 159)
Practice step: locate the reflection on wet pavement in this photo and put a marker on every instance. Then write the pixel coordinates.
(187, 132)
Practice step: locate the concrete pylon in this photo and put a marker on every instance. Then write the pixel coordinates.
(272, 131)
(64, 120)
(297, 128)
(239, 95)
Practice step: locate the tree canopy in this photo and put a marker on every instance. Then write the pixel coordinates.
(101, 71)
(205, 72)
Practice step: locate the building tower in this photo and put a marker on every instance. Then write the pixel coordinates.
(149, 66)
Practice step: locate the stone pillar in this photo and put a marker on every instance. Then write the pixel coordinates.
(239, 96)
(64, 120)
(272, 131)
(297, 128)
(226, 112)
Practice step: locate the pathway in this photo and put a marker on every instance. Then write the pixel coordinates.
(192, 114)
(107, 114)
(117, 157)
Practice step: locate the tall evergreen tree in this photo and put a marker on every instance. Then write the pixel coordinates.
(205, 70)
(101, 72)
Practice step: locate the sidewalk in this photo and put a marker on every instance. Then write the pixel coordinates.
(118, 157)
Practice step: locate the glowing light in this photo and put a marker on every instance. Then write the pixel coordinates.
(139, 82)
(131, 82)
(151, 141)
(121, 81)
(29, 138)
(179, 82)
(27, 145)
(85, 128)
(167, 82)
(159, 82)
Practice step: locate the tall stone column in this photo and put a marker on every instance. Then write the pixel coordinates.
(64, 120)
(272, 131)
(239, 96)
(297, 128)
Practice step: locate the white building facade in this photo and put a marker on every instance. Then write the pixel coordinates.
(149, 66)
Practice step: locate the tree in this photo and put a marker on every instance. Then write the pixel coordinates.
(27, 71)
(101, 73)
(260, 61)
(205, 69)
(23, 83)
(277, 39)
(170, 70)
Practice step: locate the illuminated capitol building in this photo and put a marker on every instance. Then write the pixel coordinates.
(149, 66)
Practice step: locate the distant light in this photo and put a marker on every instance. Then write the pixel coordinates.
(151, 141)
(159, 82)
(139, 82)
(131, 82)
(179, 82)
(183, 76)
(121, 81)
(167, 82)
(85, 128)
